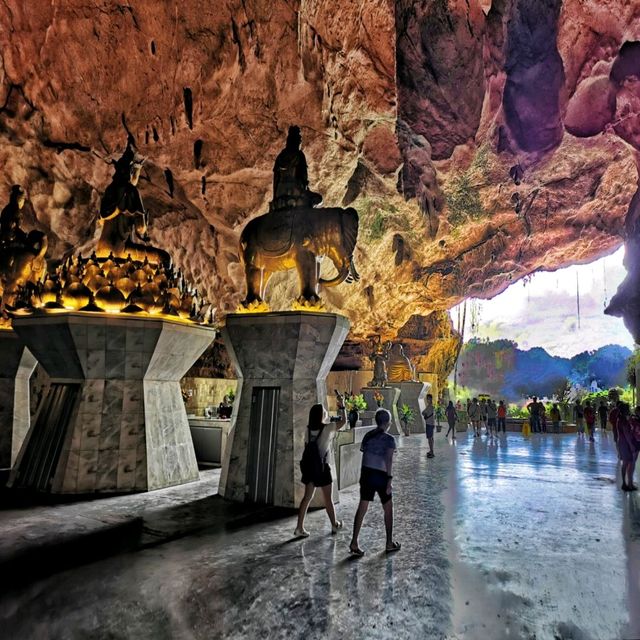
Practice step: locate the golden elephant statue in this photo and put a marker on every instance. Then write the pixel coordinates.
(294, 239)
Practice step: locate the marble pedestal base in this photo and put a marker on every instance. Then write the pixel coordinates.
(413, 394)
(282, 361)
(391, 395)
(114, 419)
(16, 366)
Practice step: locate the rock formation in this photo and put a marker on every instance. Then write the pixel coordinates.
(480, 140)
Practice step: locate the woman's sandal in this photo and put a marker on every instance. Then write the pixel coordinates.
(357, 552)
(395, 546)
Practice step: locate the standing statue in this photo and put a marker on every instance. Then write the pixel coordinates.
(123, 216)
(22, 254)
(295, 235)
(379, 356)
(400, 368)
(290, 178)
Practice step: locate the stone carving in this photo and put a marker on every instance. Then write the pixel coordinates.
(123, 216)
(379, 356)
(400, 368)
(294, 235)
(290, 177)
(22, 263)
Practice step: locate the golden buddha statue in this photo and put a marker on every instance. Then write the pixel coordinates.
(399, 367)
(123, 216)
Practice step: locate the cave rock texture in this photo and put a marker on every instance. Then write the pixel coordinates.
(479, 140)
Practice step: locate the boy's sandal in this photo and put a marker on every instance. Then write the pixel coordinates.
(395, 546)
(357, 551)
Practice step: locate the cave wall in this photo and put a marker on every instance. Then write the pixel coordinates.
(479, 140)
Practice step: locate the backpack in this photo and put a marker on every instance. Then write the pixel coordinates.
(312, 464)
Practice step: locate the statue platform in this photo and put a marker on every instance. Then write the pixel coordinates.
(16, 366)
(390, 402)
(282, 361)
(114, 419)
(413, 394)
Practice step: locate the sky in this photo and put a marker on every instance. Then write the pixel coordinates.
(542, 312)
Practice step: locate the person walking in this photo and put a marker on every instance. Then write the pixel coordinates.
(590, 419)
(554, 414)
(502, 417)
(603, 415)
(452, 417)
(474, 416)
(377, 449)
(483, 416)
(428, 414)
(316, 471)
(578, 416)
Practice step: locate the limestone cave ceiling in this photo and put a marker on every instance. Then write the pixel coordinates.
(479, 140)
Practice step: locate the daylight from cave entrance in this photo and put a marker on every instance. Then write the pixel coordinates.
(560, 311)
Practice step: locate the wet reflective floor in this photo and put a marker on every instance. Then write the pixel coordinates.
(511, 538)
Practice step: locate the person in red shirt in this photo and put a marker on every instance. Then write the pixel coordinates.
(502, 417)
(590, 419)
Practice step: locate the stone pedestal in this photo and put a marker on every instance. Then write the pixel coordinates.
(413, 394)
(114, 419)
(391, 395)
(16, 366)
(282, 361)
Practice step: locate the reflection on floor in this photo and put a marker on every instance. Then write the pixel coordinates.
(510, 539)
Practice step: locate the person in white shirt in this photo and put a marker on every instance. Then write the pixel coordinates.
(377, 449)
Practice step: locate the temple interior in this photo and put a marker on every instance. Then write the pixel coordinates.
(243, 251)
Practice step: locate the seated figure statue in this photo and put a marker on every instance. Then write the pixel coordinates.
(400, 368)
(123, 216)
(290, 178)
(22, 254)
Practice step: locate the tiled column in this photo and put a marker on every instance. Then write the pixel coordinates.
(413, 394)
(16, 366)
(294, 352)
(390, 402)
(127, 429)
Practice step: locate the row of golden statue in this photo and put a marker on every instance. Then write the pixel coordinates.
(126, 274)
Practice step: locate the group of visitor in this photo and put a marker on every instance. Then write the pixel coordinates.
(377, 449)
(485, 413)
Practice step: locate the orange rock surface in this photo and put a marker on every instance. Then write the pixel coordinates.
(422, 115)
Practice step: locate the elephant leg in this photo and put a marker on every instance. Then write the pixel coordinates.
(256, 282)
(308, 276)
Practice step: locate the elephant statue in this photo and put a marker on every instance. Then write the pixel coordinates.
(294, 239)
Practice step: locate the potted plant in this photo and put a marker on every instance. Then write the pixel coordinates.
(354, 404)
(379, 398)
(439, 416)
(407, 417)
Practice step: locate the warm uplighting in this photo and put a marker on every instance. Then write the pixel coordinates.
(116, 285)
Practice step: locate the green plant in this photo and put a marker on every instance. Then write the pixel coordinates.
(231, 394)
(462, 190)
(356, 402)
(406, 414)
(377, 228)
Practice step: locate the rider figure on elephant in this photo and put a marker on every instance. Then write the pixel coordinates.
(290, 178)
(22, 254)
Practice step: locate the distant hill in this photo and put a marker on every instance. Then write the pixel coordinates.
(500, 369)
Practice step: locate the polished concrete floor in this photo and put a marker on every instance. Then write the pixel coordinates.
(511, 538)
